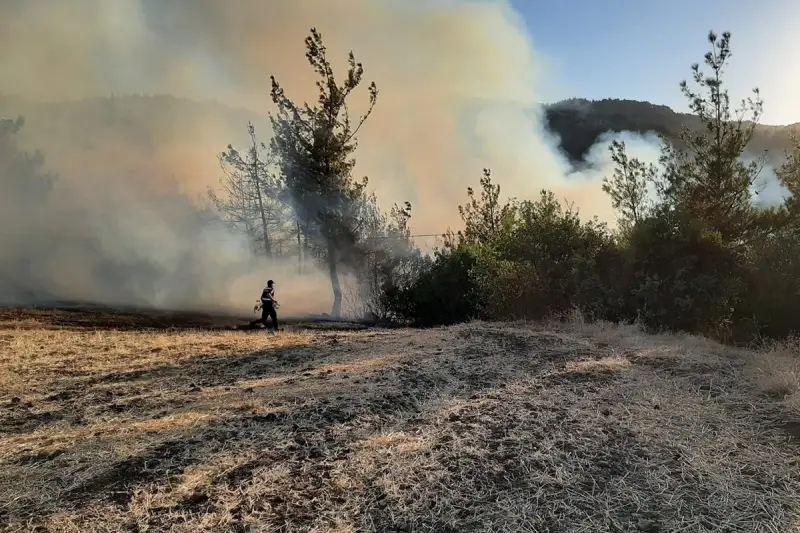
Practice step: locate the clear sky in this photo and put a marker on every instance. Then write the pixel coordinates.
(642, 49)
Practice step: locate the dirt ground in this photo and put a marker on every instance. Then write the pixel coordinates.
(135, 423)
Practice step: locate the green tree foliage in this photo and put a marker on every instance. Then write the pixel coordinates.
(444, 293)
(770, 306)
(314, 146)
(685, 278)
(485, 219)
(556, 251)
(512, 260)
(708, 179)
(698, 259)
(699, 255)
(628, 187)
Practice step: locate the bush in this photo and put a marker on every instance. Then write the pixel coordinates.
(444, 294)
(771, 303)
(686, 279)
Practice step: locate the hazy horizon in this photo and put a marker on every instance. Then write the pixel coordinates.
(263, 114)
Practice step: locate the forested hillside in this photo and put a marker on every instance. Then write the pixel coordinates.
(579, 122)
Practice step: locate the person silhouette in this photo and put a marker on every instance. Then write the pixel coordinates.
(268, 306)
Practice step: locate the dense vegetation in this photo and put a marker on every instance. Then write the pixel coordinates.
(692, 251)
(579, 124)
(698, 255)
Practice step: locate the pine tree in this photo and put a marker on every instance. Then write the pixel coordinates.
(314, 146)
(628, 186)
(707, 179)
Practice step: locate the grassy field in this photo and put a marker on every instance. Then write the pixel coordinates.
(123, 423)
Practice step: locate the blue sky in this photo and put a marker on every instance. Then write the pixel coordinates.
(642, 49)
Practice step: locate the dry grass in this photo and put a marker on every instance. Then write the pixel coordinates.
(576, 427)
(776, 372)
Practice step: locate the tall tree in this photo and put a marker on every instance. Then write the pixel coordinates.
(708, 178)
(315, 146)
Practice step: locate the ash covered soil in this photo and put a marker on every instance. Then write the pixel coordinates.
(146, 422)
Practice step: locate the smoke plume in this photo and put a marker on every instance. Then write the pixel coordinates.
(458, 82)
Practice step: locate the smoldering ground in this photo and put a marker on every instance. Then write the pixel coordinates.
(459, 91)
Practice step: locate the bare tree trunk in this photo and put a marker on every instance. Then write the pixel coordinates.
(264, 228)
(259, 195)
(299, 251)
(374, 274)
(336, 312)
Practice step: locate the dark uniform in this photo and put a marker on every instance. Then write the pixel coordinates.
(268, 307)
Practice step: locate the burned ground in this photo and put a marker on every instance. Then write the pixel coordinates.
(477, 427)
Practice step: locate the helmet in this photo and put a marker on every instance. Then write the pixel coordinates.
(270, 283)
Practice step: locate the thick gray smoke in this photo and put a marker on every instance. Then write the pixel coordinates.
(458, 86)
(117, 242)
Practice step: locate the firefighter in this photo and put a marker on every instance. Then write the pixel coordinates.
(268, 306)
